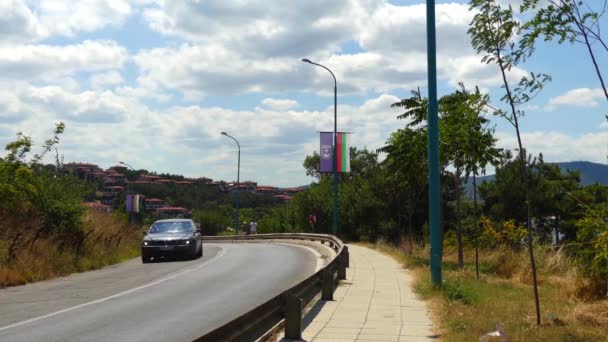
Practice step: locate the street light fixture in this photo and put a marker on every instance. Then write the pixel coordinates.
(335, 153)
(129, 190)
(238, 186)
(125, 164)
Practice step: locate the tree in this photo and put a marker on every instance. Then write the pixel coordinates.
(406, 174)
(466, 141)
(567, 21)
(494, 33)
(459, 112)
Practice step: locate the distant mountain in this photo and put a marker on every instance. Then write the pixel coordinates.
(591, 173)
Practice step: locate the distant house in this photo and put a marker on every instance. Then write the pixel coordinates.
(184, 183)
(292, 191)
(266, 190)
(86, 171)
(114, 189)
(173, 212)
(117, 169)
(152, 204)
(284, 198)
(243, 186)
(148, 178)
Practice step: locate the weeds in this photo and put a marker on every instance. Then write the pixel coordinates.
(108, 240)
(465, 308)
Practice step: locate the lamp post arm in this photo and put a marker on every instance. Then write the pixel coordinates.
(326, 68)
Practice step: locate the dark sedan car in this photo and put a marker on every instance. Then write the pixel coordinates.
(175, 237)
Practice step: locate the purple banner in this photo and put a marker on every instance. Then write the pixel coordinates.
(129, 203)
(326, 151)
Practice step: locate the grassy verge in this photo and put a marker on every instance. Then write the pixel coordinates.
(109, 241)
(465, 308)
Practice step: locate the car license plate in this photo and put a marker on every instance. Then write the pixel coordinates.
(166, 248)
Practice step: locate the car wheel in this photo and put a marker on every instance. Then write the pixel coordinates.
(145, 260)
(200, 252)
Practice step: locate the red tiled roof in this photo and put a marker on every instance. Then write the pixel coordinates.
(157, 200)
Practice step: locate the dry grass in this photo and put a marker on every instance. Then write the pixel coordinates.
(465, 308)
(109, 241)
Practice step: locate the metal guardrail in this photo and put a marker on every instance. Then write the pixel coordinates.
(286, 308)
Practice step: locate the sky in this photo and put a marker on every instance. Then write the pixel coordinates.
(153, 83)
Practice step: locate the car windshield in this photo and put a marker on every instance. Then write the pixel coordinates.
(171, 227)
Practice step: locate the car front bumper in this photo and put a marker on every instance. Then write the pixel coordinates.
(155, 251)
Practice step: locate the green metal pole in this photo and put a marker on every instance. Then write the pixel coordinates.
(335, 152)
(238, 184)
(335, 161)
(434, 181)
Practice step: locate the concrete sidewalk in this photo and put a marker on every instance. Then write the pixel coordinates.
(374, 303)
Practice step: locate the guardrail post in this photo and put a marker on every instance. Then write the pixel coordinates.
(327, 279)
(345, 256)
(293, 317)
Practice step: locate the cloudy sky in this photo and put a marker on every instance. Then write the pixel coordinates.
(153, 82)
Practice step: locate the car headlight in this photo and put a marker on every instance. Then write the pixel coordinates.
(187, 242)
(145, 243)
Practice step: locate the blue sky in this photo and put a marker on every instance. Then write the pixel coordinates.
(153, 83)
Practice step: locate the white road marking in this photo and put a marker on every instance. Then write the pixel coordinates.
(97, 301)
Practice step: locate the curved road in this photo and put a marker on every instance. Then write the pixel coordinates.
(165, 301)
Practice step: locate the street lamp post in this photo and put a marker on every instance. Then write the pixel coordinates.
(238, 186)
(129, 190)
(433, 155)
(335, 153)
(127, 165)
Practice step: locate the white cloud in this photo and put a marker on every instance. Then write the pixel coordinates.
(107, 79)
(31, 62)
(26, 21)
(279, 104)
(18, 23)
(66, 17)
(252, 47)
(580, 97)
(559, 146)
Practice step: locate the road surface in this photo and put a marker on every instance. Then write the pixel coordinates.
(165, 301)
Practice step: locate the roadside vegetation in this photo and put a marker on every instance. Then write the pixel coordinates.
(465, 308)
(45, 231)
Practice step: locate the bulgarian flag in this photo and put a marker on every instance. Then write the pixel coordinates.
(343, 150)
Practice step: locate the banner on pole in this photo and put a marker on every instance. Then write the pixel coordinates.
(133, 203)
(326, 152)
(343, 152)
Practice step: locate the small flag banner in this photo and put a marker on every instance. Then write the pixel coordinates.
(326, 152)
(133, 203)
(343, 152)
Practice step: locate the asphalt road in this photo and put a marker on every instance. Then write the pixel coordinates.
(164, 301)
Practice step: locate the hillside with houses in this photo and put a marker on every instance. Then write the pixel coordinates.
(159, 195)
